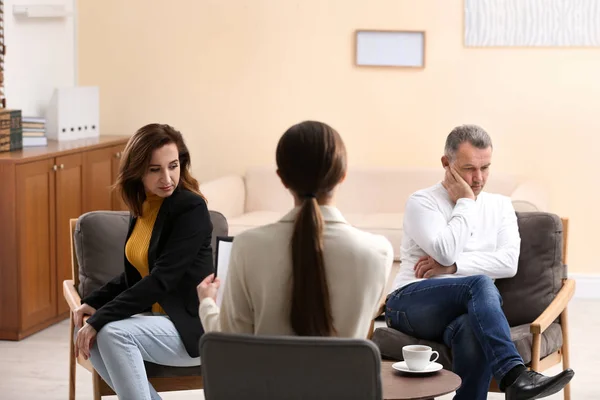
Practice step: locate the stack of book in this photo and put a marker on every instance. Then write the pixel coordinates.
(11, 134)
(34, 132)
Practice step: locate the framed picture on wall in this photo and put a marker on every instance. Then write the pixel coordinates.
(403, 49)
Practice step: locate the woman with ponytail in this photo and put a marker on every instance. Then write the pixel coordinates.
(311, 273)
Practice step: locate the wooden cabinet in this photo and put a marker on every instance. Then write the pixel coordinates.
(101, 169)
(117, 153)
(68, 204)
(35, 201)
(43, 188)
(98, 180)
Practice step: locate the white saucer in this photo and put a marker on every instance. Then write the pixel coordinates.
(401, 366)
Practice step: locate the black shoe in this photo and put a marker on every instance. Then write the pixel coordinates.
(531, 385)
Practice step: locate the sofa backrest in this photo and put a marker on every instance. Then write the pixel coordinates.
(99, 241)
(365, 190)
(540, 271)
(265, 192)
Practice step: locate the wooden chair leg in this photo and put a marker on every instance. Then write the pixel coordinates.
(72, 363)
(371, 329)
(535, 352)
(565, 348)
(96, 381)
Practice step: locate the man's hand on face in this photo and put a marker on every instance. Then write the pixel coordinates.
(456, 186)
(427, 268)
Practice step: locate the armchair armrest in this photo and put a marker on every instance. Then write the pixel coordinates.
(70, 293)
(530, 196)
(555, 308)
(226, 195)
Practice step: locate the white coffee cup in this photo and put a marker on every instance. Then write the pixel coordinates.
(418, 357)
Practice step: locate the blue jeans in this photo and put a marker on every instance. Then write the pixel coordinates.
(466, 315)
(121, 348)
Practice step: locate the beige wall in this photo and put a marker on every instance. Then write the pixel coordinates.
(232, 75)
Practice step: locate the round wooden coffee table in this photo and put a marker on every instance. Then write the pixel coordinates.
(400, 386)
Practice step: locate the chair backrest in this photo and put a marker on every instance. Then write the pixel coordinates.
(541, 269)
(97, 246)
(267, 367)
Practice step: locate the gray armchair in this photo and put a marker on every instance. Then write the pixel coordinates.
(97, 240)
(534, 301)
(286, 367)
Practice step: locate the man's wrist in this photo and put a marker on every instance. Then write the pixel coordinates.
(452, 268)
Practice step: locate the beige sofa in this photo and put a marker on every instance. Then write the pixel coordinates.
(371, 198)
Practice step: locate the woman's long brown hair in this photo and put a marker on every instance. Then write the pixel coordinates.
(136, 161)
(311, 161)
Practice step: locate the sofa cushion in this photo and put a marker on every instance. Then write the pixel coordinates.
(265, 192)
(524, 206)
(253, 220)
(369, 190)
(540, 271)
(386, 189)
(390, 343)
(388, 225)
(384, 221)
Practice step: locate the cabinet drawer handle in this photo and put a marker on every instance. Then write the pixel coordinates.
(54, 167)
(118, 154)
(62, 166)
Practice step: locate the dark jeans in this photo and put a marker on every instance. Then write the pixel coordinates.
(466, 315)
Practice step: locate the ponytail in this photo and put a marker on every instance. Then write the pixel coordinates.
(311, 307)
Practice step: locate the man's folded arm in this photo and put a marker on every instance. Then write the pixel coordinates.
(439, 238)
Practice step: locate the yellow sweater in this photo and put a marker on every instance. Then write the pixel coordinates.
(136, 249)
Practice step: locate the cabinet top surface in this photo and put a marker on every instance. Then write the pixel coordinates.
(56, 148)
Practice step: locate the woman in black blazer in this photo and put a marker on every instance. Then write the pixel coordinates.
(150, 311)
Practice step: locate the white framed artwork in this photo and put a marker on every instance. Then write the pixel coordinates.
(532, 23)
(390, 48)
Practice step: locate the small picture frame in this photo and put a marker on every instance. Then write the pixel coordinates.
(400, 49)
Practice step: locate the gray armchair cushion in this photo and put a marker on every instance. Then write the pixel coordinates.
(540, 272)
(220, 228)
(523, 340)
(99, 239)
(525, 296)
(390, 343)
(100, 245)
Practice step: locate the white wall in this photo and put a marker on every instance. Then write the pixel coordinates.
(40, 56)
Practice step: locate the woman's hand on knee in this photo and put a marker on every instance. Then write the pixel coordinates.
(85, 341)
(80, 312)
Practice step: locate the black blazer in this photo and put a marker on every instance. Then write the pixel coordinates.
(179, 258)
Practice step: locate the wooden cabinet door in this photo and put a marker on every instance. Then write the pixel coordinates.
(97, 181)
(36, 241)
(117, 202)
(69, 204)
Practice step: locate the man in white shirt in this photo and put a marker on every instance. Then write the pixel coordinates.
(458, 238)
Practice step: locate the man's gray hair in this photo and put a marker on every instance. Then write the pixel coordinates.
(466, 133)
